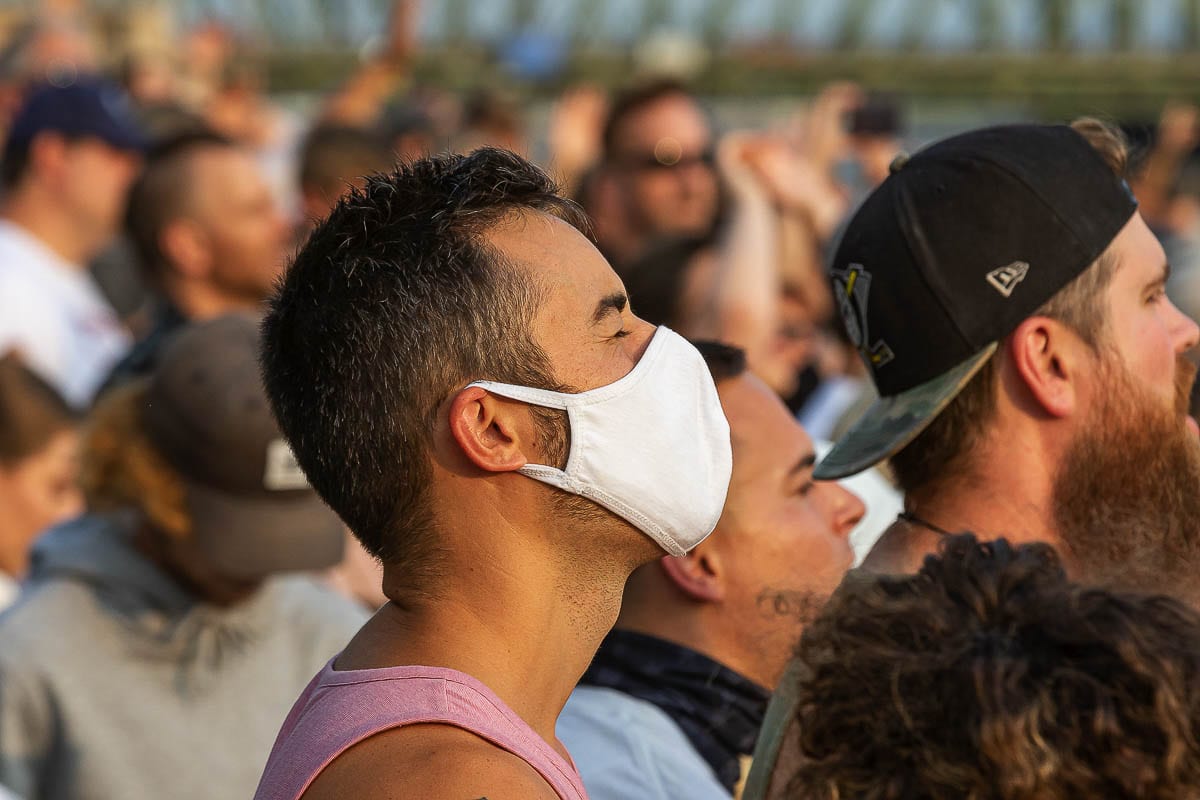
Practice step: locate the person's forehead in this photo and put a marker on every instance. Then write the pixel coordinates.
(222, 174)
(764, 434)
(569, 270)
(674, 115)
(230, 162)
(1139, 255)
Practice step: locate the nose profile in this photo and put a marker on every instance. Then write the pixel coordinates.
(849, 512)
(1187, 333)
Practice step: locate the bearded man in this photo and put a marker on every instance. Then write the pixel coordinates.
(1010, 304)
(1009, 301)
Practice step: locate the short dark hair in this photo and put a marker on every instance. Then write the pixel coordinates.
(632, 100)
(990, 675)
(161, 193)
(724, 361)
(395, 302)
(944, 446)
(335, 155)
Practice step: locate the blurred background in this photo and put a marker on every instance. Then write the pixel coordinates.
(954, 61)
(718, 147)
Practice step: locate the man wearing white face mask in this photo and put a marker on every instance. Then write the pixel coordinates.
(461, 378)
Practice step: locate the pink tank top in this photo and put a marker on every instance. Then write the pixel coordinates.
(342, 707)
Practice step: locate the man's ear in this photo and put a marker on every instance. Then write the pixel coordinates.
(1049, 359)
(48, 152)
(698, 574)
(491, 431)
(185, 245)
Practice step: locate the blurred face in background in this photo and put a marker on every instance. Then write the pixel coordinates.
(88, 177)
(240, 230)
(36, 492)
(664, 168)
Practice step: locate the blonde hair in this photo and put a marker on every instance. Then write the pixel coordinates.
(121, 469)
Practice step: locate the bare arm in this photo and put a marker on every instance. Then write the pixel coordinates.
(744, 296)
(360, 99)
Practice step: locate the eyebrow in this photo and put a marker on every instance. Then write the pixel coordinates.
(610, 304)
(807, 462)
(1161, 280)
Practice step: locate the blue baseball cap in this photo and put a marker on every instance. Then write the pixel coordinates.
(86, 107)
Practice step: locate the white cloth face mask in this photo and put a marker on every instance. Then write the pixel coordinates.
(652, 447)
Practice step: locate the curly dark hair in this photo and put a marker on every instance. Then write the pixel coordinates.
(990, 676)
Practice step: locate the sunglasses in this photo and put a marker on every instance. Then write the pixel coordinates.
(668, 155)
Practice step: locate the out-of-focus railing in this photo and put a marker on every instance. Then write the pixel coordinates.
(889, 25)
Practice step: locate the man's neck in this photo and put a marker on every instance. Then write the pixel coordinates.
(1006, 496)
(198, 301)
(514, 619)
(987, 514)
(49, 225)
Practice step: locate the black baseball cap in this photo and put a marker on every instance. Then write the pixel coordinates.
(88, 106)
(962, 242)
(251, 509)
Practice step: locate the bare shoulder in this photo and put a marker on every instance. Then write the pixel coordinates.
(433, 762)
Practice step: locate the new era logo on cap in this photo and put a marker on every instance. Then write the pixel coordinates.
(283, 473)
(1005, 279)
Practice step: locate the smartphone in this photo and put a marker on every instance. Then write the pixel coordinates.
(878, 116)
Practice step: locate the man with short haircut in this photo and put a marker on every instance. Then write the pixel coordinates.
(208, 233)
(657, 175)
(334, 158)
(419, 355)
(671, 706)
(69, 158)
(1009, 301)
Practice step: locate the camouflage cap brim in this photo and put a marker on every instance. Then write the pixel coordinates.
(891, 423)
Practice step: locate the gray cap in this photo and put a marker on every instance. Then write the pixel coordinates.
(251, 508)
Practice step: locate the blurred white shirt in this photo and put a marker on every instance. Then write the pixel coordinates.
(882, 500)
(54, 316)
(9, 589)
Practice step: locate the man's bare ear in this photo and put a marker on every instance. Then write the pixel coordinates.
(1049, 358)
(48, 150)
(185, 245)
(491, 431)
(698, 574)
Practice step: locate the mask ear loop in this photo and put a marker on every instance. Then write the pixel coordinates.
(543, 398)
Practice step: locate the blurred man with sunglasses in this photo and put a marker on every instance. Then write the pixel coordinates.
(657, 176)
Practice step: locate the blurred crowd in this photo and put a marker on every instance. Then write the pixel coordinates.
(175, 582)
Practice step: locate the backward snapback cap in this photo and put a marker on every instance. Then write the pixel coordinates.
(252, 511)
(962, 242)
